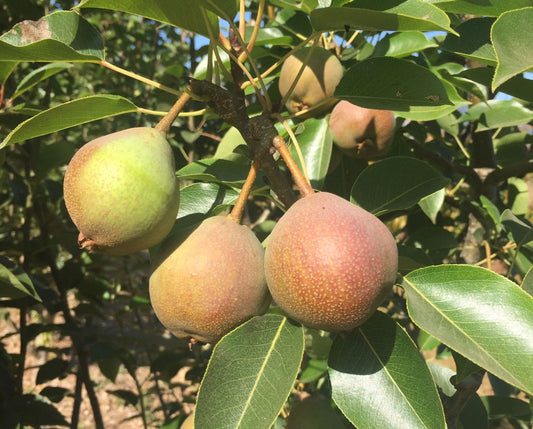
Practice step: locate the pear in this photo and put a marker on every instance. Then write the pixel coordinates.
(121, 191)
(211, 283)
(361, 132)
(329, 263)
(318, 81)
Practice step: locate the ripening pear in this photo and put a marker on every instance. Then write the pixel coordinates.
(212, 282)
(329, 263)
(361, 132)
(121, 191)
(318, 81)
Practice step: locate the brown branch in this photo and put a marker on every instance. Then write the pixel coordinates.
(517, 169)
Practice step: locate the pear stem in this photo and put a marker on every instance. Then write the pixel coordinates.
(238, 208)
(166, 122)
(299, 179)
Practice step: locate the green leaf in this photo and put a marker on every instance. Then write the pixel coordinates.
(231, 170)
(464, 366)
(473, 42)
(500, 406)
(204, 198)
(166, 11)
(527, 283)
(518, 196)
(512, 39)
(69, 114)
(250, 374)
(484, 316)
(518, 86)
(127, 396)
(372, 373)
(483, 8)
(36, 76)
(314, 370)
(389, 15)
(492, 211)
(432, 204)
(426, 342)
(60, 36)
(16, 284)
(395, 183)
(497, 114)
(55, 394)
(391, 84)
(6, 68)
(316, 144)
(400, 45)
(522, 232)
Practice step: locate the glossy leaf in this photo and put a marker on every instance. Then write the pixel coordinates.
(379, 379)
(482, 8)
(512, 39)
(299, 5)
(69, 114)
(484, 316)
(60, 36)
(204, 197)
(166, 11)
(474, 41)
(36, 76)
(230, 170)
(391, 15)
(395, 183)
(497, 114)
(402, 44)
(392, 84)
(250, 374)
(315, 144)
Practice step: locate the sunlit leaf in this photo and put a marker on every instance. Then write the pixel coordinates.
(480, 314)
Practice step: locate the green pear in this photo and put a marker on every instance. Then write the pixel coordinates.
(121, 191)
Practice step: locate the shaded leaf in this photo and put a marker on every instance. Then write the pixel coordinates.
(55, 394)
(512, 39)
(60, 36)
(474, 41)
(69, 114)
(55, 368)
(391, 84)
(522, 232)
(372, 372)
(231, 170)
(16, 283)
(395, 183)
(500, 406)
(527, 283)
(250, 374)
(390, 15)
(38, 75)
(127, 396)
(36, 411)
(484, 316)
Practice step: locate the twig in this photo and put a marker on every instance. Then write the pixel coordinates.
(166, 122)
(301, 182)
(238, 208)
(464, 390)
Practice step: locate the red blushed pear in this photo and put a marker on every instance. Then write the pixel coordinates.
(211, 283)
(360, 132)
(121, 191)
(317, 82)
(329, 263)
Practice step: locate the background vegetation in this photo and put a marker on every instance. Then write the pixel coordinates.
(453, 189)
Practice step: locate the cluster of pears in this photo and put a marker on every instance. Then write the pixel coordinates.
(357, 131)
